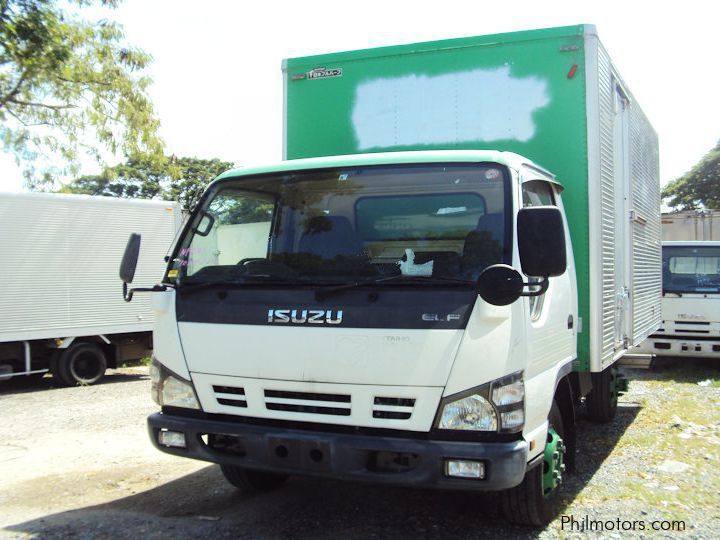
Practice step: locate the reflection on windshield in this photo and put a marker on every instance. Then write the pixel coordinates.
(356, 224)
(691, 269)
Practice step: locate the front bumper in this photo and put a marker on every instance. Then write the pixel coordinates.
(377, 459)
(677, 345)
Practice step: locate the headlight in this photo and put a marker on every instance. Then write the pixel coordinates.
(495, 406)
(473, 412)
(508, 394)
(167, 389)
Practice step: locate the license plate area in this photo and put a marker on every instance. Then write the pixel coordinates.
(299, 454)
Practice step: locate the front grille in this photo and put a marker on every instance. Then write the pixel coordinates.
(231, 396)
(313, 396)
(393, 408)
(308, 402)
(682, 326)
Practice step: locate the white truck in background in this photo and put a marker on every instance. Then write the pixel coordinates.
(694, 225)
(59, 308)
(691, 286)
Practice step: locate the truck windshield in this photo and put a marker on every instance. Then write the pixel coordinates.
(691, 269)
(349, 225)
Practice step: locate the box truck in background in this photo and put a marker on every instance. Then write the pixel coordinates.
(59, 308)
(691, 296)
(691, 287)
(425, 306)
(693, 225)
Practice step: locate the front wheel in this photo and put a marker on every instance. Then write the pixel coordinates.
(536, 500)
(249, 480)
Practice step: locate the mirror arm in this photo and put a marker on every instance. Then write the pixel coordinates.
(544, 284)
(128, 294)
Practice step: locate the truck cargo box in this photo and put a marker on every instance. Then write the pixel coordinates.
(60, 260)
(552, 95)
(703, 225)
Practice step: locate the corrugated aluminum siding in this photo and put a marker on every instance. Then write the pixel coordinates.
(606, 95)
(643, 256)
(646, 227)
(60, 261)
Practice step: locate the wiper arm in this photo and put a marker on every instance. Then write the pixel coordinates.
(669, 291)
(329, 291)
(321, 294)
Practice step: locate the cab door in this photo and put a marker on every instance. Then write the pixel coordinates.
(552, 317)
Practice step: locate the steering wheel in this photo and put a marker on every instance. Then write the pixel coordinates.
(248, 261)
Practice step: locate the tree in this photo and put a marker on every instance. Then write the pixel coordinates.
(177, 179)
(190, 177)
(698, 188)
(69, 86)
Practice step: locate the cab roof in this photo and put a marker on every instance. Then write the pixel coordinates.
(691, 243)
(509, 159)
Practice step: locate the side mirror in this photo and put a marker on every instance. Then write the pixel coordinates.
(541, 241)
(128, 266)
(500, 285)
(130, 259)
(205, 224)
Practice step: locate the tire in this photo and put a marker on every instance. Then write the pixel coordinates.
(81, 363)
(248, 480)
(601, 402)
(527, 504)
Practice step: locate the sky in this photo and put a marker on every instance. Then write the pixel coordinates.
(217, 64)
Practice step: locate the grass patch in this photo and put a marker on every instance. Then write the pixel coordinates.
(679, 421)
(137, 363)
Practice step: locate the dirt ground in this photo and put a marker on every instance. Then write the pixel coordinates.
(77, 463)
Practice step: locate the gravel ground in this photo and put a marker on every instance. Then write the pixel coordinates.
(76, 463)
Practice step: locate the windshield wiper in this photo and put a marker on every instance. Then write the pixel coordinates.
(668, 291)
(321, 294)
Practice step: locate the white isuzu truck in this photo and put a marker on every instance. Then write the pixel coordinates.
(411, 309)
(691, 287)
(59, 258)
(690, 303)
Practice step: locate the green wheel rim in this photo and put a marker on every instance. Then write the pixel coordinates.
(553, 462)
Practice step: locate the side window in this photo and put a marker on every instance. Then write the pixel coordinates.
(537, 193)
(236, 226)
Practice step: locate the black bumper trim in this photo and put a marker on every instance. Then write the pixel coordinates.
(345, 456)
(681, 337)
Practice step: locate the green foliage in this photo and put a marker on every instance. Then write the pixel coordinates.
(190, 177)
(70, 87)
(140, 362)
(175, 179)
(698, 188)
(232, 207)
